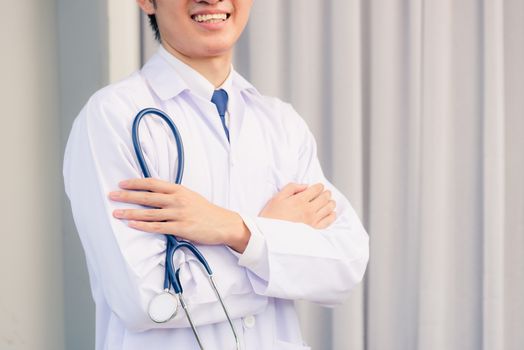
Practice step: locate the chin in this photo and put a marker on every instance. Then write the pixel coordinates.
(214, 50)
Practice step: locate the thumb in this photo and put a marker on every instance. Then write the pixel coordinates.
(291, 189)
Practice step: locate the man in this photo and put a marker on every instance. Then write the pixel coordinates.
(253, 197)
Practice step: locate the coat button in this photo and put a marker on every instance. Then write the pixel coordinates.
(249, 321)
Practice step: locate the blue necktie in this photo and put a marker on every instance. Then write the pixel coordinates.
(220, 100)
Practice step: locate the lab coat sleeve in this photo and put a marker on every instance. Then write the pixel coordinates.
(295, 261)
(126, 264)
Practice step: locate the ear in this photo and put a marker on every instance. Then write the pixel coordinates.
(148, 6)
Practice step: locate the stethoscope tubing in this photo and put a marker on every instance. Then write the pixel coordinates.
(172, 276)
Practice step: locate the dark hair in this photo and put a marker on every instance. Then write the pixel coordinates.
(154, 25)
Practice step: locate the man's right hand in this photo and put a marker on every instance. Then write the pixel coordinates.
(299, 203)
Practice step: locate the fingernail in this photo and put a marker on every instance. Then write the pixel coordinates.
(123, 183)
(118, 212)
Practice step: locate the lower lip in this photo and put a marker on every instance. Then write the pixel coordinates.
(211, 26)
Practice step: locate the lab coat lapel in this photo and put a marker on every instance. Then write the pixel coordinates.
(243, 91)
(237, 110)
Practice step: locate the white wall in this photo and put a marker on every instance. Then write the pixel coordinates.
(31, 299)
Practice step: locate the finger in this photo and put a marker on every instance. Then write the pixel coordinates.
(144, 214)
(325, 210)
(321, 201)
(149, 184)
(150, 199)
(311, 192)
(291, 189)
(327, 221)
(154, 227)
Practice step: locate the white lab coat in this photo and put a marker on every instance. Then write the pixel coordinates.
(270, 147)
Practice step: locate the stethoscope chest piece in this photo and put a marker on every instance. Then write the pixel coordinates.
(163, 307)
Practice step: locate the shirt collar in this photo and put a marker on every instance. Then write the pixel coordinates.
(168, 77)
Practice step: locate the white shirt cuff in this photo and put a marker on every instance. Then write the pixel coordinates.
(255, 256)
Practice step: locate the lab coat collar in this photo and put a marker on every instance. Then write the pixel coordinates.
(167, 82)
(195, 81)
(162, 78)
(242, 84)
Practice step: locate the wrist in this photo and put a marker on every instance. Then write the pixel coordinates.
(238, 235)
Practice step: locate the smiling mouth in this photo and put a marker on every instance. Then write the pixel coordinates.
(211, 18)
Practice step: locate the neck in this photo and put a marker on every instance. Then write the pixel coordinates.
(214, 69)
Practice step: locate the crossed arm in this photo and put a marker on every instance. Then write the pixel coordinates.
(126, 265)
(177, 210)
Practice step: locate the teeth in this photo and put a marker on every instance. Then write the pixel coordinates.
(212, 18)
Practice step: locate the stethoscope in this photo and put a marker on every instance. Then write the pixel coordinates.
(163, 307)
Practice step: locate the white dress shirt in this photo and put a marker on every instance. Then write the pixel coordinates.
(270, 146)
